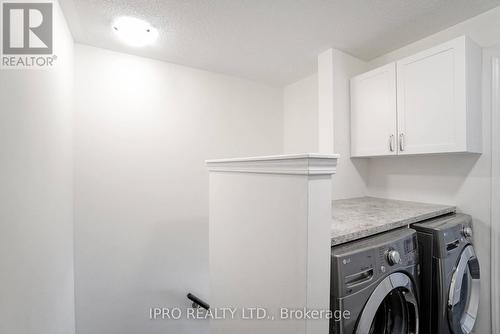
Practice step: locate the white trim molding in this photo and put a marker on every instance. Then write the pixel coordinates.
(300, 164)
(495, 190)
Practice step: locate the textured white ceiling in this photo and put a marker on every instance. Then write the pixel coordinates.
(275, 41)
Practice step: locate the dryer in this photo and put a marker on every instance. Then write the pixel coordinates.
(450, 275)
(375, 280)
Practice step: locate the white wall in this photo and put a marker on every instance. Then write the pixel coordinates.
(325, 102)
(350, 180)
(36, 195)
(494, 55)
(483, 29)
(307, 126)
(143, 131)
(300, 118)
(463, 180)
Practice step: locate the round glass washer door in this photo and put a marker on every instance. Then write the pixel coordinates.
(463, 297)
(391, 309)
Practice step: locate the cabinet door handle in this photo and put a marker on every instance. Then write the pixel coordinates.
(391, 143)
(401, 141)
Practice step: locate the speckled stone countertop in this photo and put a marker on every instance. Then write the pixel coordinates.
(356, 218)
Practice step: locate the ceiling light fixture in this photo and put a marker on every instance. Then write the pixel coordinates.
(134, 32)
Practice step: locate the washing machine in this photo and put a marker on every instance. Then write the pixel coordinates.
(376, 281)
(450, 275)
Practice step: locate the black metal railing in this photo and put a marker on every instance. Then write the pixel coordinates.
(197, 302)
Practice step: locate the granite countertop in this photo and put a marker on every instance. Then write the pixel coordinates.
(356, 218)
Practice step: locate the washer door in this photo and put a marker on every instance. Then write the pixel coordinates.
(391, 308)
(463, 299)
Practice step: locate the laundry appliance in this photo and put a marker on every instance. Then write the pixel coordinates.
(450, 275)
(376, 279)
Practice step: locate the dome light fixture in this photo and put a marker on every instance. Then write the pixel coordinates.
(134, 32)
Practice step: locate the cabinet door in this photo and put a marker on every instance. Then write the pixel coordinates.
(373, 112)
(431, 100)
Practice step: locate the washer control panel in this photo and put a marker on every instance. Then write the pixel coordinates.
(451, 233)
(455, 237)
(358, 264)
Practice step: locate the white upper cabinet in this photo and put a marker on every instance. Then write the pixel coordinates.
(373, 110)
(438, 99)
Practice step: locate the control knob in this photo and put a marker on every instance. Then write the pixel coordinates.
(393, 257)
(467, 232)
